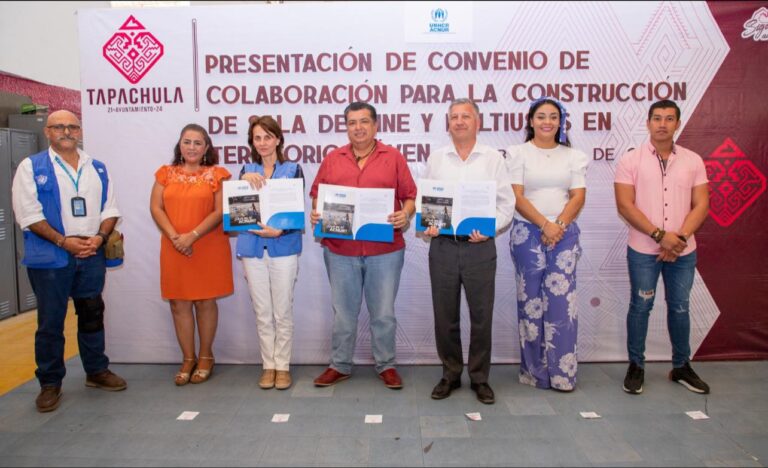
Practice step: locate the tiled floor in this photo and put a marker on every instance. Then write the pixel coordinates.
(526, 427)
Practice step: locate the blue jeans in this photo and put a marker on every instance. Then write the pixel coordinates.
(81, 278)
(678, 276)
(377, 277)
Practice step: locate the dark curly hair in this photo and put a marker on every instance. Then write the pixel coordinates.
(529, 133)
(210, 158)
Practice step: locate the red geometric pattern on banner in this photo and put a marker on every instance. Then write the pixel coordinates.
(133, 50)
(735, 182)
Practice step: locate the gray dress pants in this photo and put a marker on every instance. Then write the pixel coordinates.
(453, 263)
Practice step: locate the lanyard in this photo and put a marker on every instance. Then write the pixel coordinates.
(76, 183)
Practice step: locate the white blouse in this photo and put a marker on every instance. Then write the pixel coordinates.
(547, 175)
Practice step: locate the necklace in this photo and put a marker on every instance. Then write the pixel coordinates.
(545, 151)
(370, 152)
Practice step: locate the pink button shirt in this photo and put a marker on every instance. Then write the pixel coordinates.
(663, 195)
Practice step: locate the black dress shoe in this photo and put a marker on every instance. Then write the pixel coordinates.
(484, 393)
(444, 388)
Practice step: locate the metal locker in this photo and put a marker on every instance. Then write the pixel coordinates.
(8, 299)
(23, 144)
(34, 123)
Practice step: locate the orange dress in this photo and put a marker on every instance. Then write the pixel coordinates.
(188, 199)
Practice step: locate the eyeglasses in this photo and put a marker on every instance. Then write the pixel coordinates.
(60, 128)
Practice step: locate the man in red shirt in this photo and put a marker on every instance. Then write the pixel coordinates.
(357, 268)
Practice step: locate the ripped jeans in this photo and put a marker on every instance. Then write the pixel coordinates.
(678, 276)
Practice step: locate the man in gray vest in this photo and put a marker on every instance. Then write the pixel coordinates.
(64, 201)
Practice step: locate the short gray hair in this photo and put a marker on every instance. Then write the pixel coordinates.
(460, 101)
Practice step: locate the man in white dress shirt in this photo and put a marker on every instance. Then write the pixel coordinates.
(466, 260)
(65, 203)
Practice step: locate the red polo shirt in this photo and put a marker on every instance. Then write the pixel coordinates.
(386, 168)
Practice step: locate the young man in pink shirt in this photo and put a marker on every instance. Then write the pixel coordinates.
(662, 193)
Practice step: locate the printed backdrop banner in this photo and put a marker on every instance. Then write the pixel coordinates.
(146, 73)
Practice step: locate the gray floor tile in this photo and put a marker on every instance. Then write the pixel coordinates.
(397, 405)
(729, 463)
(304, 388)
(261, 404)
(552, 428)
(661, 449)
(16, 401)
(8, 439)
(553, 451)
(40, 444)
(228, 449)
(175, 447)
(448, 452)
(289, 451)
(342, 451)
(395, 427)
(346, 406)
(14, 460)
(443, 426)
(494, 425)
(527, 426)
(755, 447)
(498, 452)
(529, 406)
(395, 452)
(25, 419)
(600, 442)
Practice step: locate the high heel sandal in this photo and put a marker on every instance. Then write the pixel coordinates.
(182, 378)
(201, 375)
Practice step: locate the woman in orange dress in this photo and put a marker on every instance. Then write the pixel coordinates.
(195, 257)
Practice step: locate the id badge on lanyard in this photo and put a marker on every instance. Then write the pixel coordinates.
(77, 202)
(78, 207)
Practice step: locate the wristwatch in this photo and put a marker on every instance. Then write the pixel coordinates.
(560, 223)
(104, 237)
(657, 235)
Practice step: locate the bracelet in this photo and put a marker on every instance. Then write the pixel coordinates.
(658, 234)
(197, 234)
(60, 242)
(104, 237)
(545, 223)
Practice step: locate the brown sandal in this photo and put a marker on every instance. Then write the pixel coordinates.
(201, 375)
(182, 378)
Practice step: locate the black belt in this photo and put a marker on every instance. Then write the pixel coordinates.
(455, 238)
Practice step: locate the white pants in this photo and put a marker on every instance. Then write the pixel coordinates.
(270, 283)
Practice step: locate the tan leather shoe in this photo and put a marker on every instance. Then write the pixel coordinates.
(48, 399)
(267, 379)
(106, 380)
(283, 380)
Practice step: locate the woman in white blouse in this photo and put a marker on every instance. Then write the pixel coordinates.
(549, 181)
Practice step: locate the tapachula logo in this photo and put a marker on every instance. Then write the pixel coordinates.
(133, 50)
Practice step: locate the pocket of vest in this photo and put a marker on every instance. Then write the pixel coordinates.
(39, 253)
